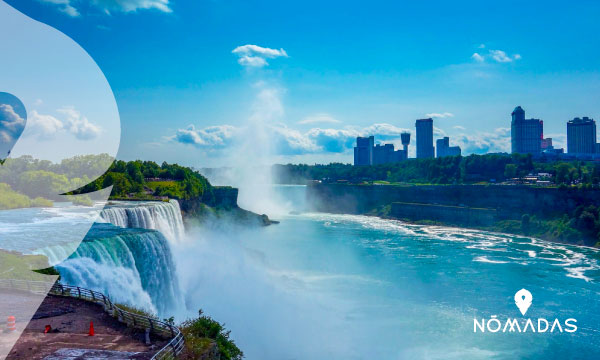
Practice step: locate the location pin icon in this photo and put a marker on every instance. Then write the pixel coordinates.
(12, 123)
(523, 300)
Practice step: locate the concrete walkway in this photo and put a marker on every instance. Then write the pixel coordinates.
(70, 320)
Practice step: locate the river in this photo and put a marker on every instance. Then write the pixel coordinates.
(326, 286)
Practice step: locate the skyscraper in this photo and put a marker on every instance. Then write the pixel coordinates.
(581, 136)
(443, 148)
(363, 152)
(424, 138)
(526, 134)
(383, 154)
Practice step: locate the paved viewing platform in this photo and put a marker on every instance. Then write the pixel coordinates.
(69, 320)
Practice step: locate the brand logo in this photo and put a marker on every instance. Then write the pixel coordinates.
(523, 300)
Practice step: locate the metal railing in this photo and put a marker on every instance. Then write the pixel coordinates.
(157, 327)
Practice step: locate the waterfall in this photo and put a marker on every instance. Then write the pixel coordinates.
(162, 216)
(133, 266)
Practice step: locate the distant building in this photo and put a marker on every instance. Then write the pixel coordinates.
(443, 148)
(526, 134)
(425, 138)
(405, 137)
(363, 152)
(581, 136)
(385, 154)
(366, 153)
(546, 144)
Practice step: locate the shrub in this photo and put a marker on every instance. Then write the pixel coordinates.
(202, 332)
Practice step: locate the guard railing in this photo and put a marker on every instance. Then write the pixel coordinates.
(157, 327)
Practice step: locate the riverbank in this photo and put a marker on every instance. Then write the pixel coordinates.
(566, 215)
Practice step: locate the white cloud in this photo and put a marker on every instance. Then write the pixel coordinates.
(438, 133)
(11, 127)
(484, 142)
(212, 136)
(458, 127)
(108, 6)
(477, 57)
(481, 46)
(320, 118)
(495, 55)
(47, 126)
(255, 56)
(288, 141)
(292, 142)
(253, 61)
(440, 115)
(64, 6)
(500, 56)
(10, 121)
(79, 125)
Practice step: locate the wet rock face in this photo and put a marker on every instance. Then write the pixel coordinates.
(509, 201)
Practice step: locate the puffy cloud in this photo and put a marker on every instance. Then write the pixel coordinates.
(79, 125)
(440, 115)
(333, 140)
(255, 56)
(292, 142)
(484, 142)
(500, 56)
(108, 6)
(11, 123)
(47, 126)
(495, 55)
(321, 118)
(252, 61)
(477, 57)
(212, 136)
(285, 140)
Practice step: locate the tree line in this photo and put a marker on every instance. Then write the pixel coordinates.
(446, 170)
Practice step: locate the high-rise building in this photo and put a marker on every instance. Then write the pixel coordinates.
(443, 148)
(546, 144)
(405, 138)
(526, 134)
(581, 136)
(363, 152)
(424, 138)
(383, 154)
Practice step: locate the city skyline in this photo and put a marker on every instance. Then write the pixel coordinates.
(527, 137)
(192, 91)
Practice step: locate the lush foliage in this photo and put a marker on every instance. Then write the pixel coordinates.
(202, 332)
(446, 170)
(146, 179)
(10, 199)
(42, 178)
(581, 228)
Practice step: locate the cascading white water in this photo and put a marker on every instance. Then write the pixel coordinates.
(134, 266)
(162, 216)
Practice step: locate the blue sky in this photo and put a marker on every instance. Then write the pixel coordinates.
(322, 73)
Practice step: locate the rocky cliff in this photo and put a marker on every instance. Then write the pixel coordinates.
(220, 204)
(509, 201)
